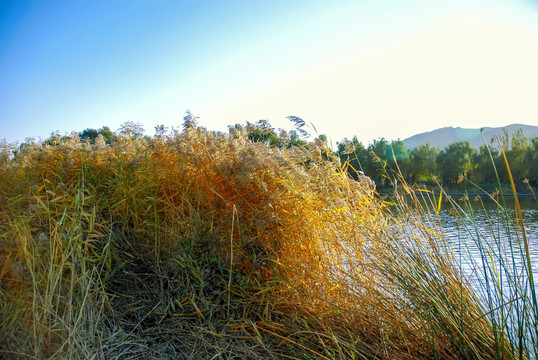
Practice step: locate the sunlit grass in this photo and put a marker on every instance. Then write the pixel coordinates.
(200, 245)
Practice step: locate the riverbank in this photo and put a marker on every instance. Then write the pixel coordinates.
(484, 191)
(209, 246)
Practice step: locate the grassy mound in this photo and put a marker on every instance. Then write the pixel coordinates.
(206, 246)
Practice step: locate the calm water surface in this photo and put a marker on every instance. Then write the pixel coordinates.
(488, 230)
(487, 245)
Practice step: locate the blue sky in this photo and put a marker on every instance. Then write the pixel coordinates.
(365, 68)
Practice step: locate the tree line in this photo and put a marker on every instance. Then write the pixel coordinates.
(458, 165)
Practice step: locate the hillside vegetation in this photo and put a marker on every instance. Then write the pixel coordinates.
(200, 245)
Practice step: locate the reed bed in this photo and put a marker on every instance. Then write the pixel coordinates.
(198, 245)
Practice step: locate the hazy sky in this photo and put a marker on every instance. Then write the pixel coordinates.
(366, 68)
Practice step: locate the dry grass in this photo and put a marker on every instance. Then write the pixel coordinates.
(204, 246)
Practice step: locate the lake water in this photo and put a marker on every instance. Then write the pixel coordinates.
(486, 229)
(489, 248)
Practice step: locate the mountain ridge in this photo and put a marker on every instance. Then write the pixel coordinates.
(445, 136)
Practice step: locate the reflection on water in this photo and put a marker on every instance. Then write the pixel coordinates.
(486, 229)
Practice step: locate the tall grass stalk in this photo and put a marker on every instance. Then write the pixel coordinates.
(501, 272)
(199, 245)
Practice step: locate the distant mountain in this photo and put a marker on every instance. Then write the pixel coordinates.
(448, 135)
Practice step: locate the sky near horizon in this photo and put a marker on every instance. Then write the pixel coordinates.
(369, 69)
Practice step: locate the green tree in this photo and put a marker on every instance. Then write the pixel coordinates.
(376, 166)
(531, 161)
(92, 134)
(455, 160)
(398, 153)
(423, 164)
(519, 146)
(483, 172)
(294, 139)
(354, 154)
(504, 139)
(263, 132)
(107, 134)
